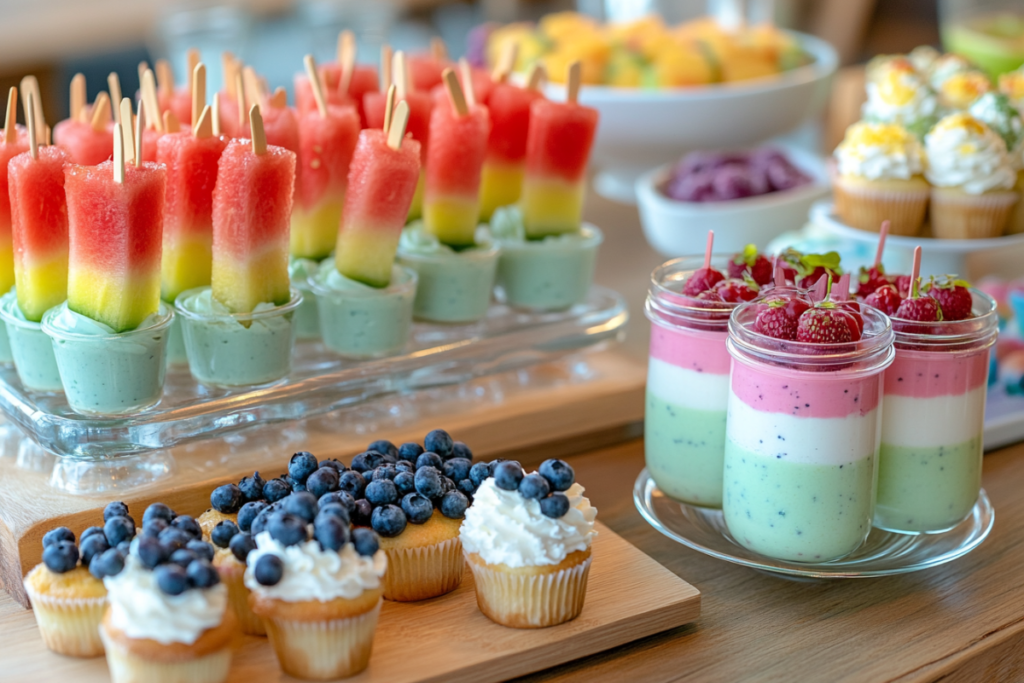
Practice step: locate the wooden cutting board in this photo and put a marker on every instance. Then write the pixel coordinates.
(629, 596)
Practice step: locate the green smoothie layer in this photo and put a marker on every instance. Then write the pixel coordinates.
(927, 489)
(684, 450)
(797, 511)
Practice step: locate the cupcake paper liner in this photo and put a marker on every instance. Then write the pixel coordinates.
(865, 208)
(69, 626)
(126, 667)
(958, 215)
(424, 572)
(238, 599)
(531, 600)
(324, 650)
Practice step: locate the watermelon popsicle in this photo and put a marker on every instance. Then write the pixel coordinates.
(458, 145)
(13, 142)
(557, 150)
(88, 141)
(427, 70)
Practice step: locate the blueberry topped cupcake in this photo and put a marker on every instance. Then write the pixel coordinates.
(528, 539)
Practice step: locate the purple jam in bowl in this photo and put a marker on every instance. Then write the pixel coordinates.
(722, 176)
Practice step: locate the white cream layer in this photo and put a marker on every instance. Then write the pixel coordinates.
(937, 421)
(687, 388)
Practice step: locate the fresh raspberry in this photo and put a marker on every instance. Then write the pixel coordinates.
(737, 291)
(749, 261)
(921, 309)
(702, 280)
(902, 284)
(778, 317)
(709, 296)
(953, 296)
(824, 324)
(885, 298)
(870, 279)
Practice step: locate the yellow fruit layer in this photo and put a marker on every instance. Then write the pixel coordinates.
(366, 255)
(500, 185)
(261, 279)
(6, 267)
(185, 264)
(120, 303)
(42, 286)
(452, 220)
(551, 207)
(314, 233)
(416, 207)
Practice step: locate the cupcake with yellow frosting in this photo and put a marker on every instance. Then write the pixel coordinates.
(961, 90)
(972, 179)
(896, 94)
(995, 111)
(879, 177)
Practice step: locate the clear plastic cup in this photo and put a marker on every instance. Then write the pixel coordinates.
(31, 349)
(550, 274)
(453, 287)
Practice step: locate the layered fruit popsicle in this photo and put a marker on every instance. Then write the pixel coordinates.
(455, 158)
(502, 180)
(88, 141)
(13, 141)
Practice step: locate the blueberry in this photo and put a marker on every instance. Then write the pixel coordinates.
(555, 505)
(342, 498)
(405, 482)
(153, 527)
(247, 514)
(446, 485)
(241, 545)
(381, 492)
(276, 489)
(158, 511)
(226, 499)
(384, 472)
(406, 466)
(222, 533)
(335, 510)
(287, 529)
(507, 475)
(60, 556)
(151, 552)
(417, 508)
(479, 472)
(410, 451)
(115, 509)
(301, 465)
(302, 504)
(189, 525)
(260, 523)
(352, 482)
(428, 483)
(467, 487)
(91, 547)
(322, 481)
(109, 563)
(361, 513)
(330, 531)
(365, 542)
(61, 533)
(174, 538)
(454, 504)
(118, 529)
(85, 534)
(429, 459)
(171, 579)
(534, 487)
(201, 549)
(124, 547)
(251, 488)
(388, 520)
(201, 574)
(268, 570)
(461, 450)
(558, 473)
(385, 448)
(457, 469)
(334, 464)
(440, 442)
(367, 460)
(182, 557)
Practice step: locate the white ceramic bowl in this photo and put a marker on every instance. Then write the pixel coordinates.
(641, 128)
(676, 228)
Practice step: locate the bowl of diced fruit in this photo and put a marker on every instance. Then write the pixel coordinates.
(664, 90)
(746, 196)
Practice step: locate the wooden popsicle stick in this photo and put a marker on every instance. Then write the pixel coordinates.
(100, 113)
(467, 81)
(77, 96)
(204, 124)
(48, 136)
(192, 58)
(215, 115)
(227, 61)
(149, 96)
(30, 86)
(114, 86)
(396, 133)
(164, 77)
(197, 78)
(316, 84)
(30, 117)
(11, 119)
(259, 137)
(253, 87)
(708, 248)
(779, 271)
(537, 77)
(883, 233)
(346, 59)
(171, 122)
(127, 123)
(385, 67)
(915, 274)
(507, 64)
(841, 291)
(240, 98)
(572, 87)
(438, 50)
(400, 75)
(118, 154)
(455, 94)
(389, 107)
(140, 126)
(279, 100)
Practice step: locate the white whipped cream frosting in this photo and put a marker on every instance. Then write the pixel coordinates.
(900, 97)
(996, 112)
(965, 153)
(502, 527)
(312, 573)
(141, 610)
(879, 152)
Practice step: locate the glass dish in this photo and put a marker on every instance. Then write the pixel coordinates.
(883, 554)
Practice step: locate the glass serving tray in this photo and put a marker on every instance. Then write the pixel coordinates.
(320, 381)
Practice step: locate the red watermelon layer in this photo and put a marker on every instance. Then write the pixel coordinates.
(85, 146)
(509, 106)
(426, 72)
(561, 135)
(420, 106)
(326, 145)
(364, 80)
(458, 146)
(381, 182)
